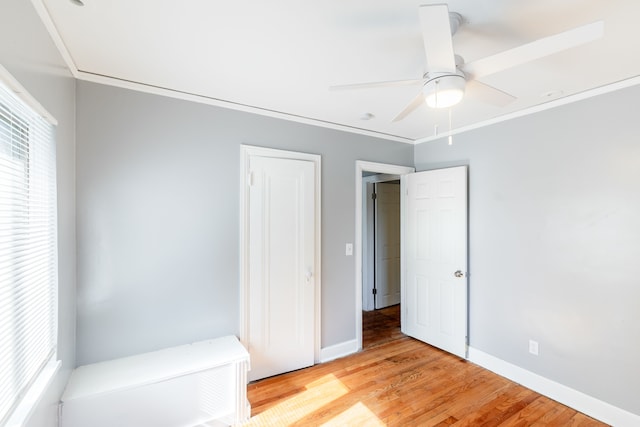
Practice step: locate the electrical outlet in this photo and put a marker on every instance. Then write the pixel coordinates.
(533, 347)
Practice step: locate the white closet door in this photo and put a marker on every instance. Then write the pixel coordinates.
(281, 262)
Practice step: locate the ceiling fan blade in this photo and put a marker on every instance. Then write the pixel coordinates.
(436, 34)
(535, 50)
(488, 94)
(415, 103)
(390, 83)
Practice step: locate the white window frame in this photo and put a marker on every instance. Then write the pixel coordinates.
(18, 103)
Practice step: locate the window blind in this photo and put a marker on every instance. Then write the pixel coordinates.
(28, 248)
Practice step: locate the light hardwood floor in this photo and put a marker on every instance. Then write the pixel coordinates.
(399, 381)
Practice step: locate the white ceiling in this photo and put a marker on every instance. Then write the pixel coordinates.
(281, 56)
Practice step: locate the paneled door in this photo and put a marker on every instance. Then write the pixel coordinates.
(435, 239)
(387, 244)
(281, 276)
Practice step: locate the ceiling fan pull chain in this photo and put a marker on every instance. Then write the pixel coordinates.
(450, 136)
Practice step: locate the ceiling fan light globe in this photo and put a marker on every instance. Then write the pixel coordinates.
(445, 91)
(444, 99)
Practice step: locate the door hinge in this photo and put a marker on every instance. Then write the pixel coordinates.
(375, 291)
(250, 179)
(374, 196)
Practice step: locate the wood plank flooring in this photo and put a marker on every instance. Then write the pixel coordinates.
(399, 381)
(381, 326)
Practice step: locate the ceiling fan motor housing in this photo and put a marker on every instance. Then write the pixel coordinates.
(443, 90)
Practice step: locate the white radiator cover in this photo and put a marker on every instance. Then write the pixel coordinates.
(189, 385)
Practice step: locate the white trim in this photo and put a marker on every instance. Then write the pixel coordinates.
(141, 87)
(45, 16)
(246, 151)
(633, 81)
(364, 166)
(30, 401)
(25, 96)
(336, 351)
(577, 400)
(170, 93)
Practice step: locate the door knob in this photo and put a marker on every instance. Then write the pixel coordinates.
(458, 274)
(308, 275)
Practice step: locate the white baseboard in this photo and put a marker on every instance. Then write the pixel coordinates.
(577, 400)
(338, 350)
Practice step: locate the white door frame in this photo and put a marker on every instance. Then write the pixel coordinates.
(246, 151)
(364, 166)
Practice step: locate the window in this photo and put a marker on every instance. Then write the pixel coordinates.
(28, 249)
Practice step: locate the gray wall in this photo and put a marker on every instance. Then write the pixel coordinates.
(555, 241)
(27, 52)
(158, 226)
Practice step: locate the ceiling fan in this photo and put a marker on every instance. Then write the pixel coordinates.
(447, 77)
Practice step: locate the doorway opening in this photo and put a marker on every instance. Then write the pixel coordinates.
(368, 173)
(381, 259)
(380, 242)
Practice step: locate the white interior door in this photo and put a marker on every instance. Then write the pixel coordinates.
(368, 252)
(387, 244)
(281, 263)
(435, 241)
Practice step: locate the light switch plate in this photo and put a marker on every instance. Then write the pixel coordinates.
(348, 249)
